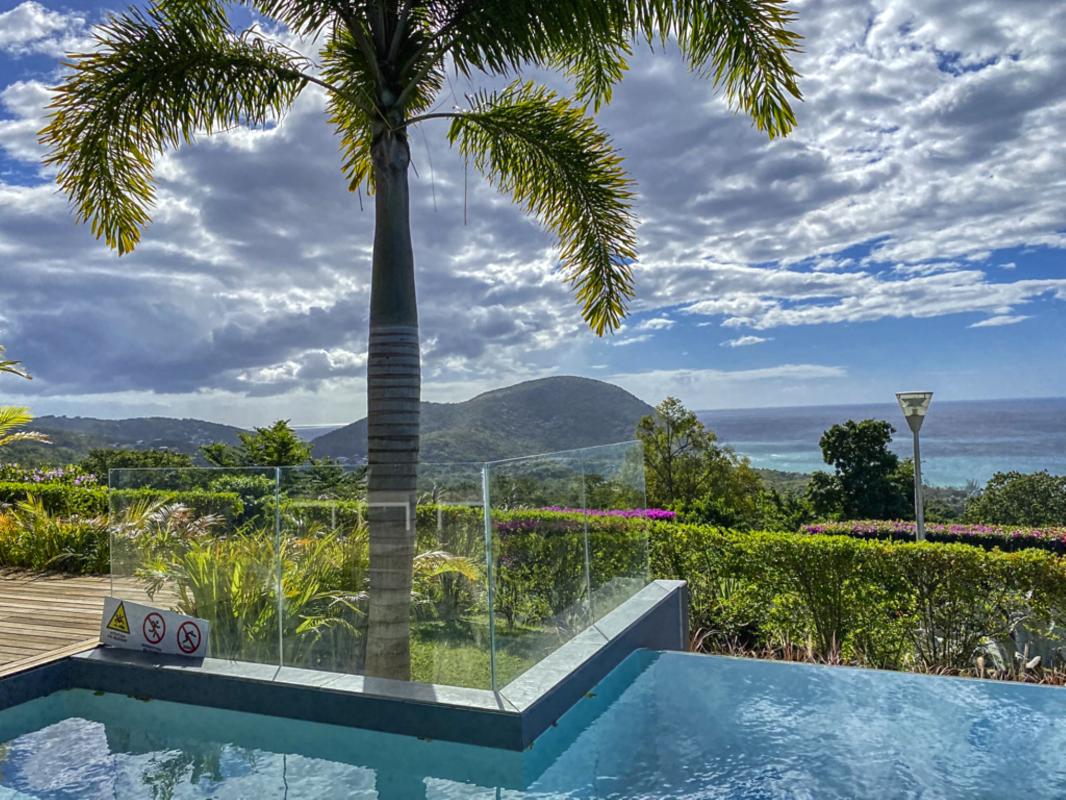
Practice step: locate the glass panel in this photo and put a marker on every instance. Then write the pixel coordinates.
(449, 610)
(325, 575)
(278, 559)
(618, 523)
(201, 542)
(325, 562)
(539, 558)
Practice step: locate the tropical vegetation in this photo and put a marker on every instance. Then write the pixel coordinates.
(868, 479)
(919, 605)
(274, 446)
(1015, 498)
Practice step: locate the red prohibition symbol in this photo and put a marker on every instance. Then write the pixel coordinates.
(153, 628)
(188, 637)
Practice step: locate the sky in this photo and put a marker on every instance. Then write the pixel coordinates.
(911, 233)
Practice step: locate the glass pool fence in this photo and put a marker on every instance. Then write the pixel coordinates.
(511, 559)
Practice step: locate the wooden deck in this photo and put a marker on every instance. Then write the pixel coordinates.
(44, 617)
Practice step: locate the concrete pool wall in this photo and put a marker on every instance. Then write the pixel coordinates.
(511, 718)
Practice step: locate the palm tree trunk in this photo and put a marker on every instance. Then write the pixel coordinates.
(393, 395)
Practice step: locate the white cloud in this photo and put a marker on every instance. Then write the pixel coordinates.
(746, 341)
(26, 101)
(644, 337)
(1000, 320)
(656, 324)
(30, 28)
(784, 384)
(763, 299)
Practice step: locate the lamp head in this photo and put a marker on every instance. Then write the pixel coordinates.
(915, 406)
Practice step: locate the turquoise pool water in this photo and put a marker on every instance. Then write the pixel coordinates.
(662, 725)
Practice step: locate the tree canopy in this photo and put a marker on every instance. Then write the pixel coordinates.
(869, 481)
(276, 446)
(1015, 498)
(687, 470)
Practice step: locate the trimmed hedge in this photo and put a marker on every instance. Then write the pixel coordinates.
(1005, 537)
(93, 501)
(879, 603)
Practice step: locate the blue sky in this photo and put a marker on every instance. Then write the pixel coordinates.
(911, 233)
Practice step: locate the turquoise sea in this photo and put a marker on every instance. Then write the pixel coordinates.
(962, 441)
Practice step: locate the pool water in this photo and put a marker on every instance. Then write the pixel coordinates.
(662, 725)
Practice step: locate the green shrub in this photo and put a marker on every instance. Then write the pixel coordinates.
(958, 597)
(726, 607)
(93, 501)
(925, 605)
(58, 498)
(32, 538)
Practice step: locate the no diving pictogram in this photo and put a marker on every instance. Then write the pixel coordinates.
(188, 637)
(154, 628)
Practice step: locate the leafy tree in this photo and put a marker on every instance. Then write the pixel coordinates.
(1015, 498)
(13, 417)
(784, 510)
(159, 77)
(869, 482)
(687, 470)
(101, 459)
(276, 446)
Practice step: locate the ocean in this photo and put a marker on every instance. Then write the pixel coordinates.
(962, 441)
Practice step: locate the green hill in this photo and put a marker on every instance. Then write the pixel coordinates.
(73, 437)
(533, 417)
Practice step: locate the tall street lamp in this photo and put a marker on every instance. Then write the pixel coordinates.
(915, 405)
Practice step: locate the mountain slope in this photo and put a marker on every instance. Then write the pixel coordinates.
(538, 416)
(73, 437)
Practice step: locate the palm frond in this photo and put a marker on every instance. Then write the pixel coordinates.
(12, 367)
(12, 417)
(155, 79)
(596, 64)
(360, 107)
(742, 46)
(551, 157)
(434, 563)
(303, 17)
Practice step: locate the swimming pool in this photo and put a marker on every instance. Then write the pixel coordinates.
(660, 725)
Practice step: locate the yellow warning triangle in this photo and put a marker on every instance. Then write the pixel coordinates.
(118, 620)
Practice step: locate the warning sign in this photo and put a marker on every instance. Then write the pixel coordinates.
(188, 637)
(118, 621)
(152, 630)
(154, 627)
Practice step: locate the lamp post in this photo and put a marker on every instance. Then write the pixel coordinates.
(915, 405)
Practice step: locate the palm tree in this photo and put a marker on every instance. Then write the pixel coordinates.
(159, 77)
(12, 417)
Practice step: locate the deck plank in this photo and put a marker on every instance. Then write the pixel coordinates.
(45, 617)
